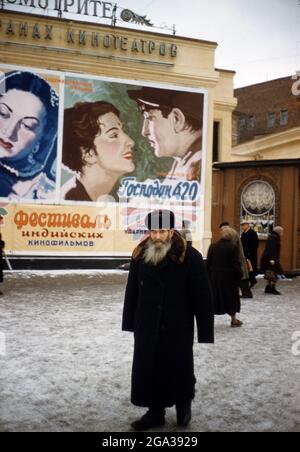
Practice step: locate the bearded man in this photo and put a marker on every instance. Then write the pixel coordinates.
(167, 289)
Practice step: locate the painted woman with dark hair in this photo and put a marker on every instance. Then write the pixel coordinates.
(28, 136)
(96, 149)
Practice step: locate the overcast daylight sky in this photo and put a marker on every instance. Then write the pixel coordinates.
(258, 39)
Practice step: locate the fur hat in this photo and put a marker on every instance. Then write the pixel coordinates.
(160, 219)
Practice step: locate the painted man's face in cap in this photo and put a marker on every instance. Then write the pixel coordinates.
(161, 133)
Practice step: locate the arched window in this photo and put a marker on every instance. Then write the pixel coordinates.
(258, 206)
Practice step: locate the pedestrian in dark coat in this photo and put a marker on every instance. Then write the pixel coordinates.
(167, 288)
(225, 272)
(245, 281)
(270, 262)
(186, 233)
(2, 245)
(250, 242)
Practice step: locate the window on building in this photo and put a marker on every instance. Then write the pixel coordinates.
(251, 122)
(271, 120)
(258, 206)
(242, 122)
(284, 117)
(216, 141)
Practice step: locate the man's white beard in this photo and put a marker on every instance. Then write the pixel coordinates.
(156, 252)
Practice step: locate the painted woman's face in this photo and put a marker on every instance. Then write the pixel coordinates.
(113, 146)
(22, 121)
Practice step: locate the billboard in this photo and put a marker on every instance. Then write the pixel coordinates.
(83, 159)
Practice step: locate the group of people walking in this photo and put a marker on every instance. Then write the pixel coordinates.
(168, 287)
(232, 265)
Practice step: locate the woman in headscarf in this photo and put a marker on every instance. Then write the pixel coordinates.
(225, 272)
(28, 136)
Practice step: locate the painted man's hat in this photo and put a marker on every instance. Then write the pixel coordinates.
(191, 104)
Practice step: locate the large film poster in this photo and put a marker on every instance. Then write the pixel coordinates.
(29, 114)
(84, 159)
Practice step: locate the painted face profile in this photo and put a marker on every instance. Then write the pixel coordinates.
(172, 121)
(113, 147)
(22, 122)
(160, 132)
(96, 148)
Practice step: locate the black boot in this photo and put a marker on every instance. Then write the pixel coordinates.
(253, 282)
(184, 413)
(247, 295)
(153, 418)
(268, 289)
(245, 288)
(274, 291)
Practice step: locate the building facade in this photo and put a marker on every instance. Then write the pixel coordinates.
(259, 180)
(266, 109)
(82, 65)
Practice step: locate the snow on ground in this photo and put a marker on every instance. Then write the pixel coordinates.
(67, 364)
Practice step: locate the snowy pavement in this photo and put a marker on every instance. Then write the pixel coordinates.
(65, 364)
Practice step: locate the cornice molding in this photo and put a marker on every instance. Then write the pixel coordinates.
(225, 103)
(263, 144)
(58, 59)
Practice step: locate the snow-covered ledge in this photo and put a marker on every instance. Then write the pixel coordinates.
(273, 146)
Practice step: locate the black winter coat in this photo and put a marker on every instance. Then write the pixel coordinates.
(161, 303)
(225, 273)
(2, 244)
(272, 253)
(250, 243)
